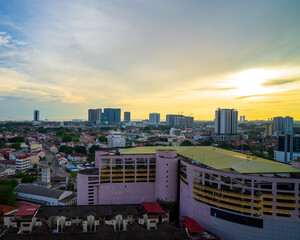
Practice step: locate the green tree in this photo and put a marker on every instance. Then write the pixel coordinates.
(67, 138)
(42, 130)
(16, 139)
(16, 145)
(7, 195)
(73, 175)
(103, 139)
(80, 149)
(94, 148)
(66, 149)
(186, 143)
(61, 132)
(91, 157)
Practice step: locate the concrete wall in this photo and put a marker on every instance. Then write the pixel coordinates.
(82, 189)
(166, 175)
(126, 193)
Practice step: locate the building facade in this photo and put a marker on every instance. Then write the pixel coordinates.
(116, 140)
(154, 119)
(94, 115)
(127, 117)
(36, 115)
(112, 115)
(282, 125)
(229, 194)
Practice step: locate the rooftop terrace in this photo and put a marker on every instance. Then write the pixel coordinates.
(222, 160)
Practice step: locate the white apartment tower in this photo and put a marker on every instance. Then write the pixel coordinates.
(226, 122)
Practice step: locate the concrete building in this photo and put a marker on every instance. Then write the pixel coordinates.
(226, 125)
(112, 115)
(179, 121)
(116, 140)
(127, 117)
(154, 119)
(23, 162)
(36, 115)
(228, 193)
(269, 129)
(45, 173)
(45, 196)
(94, 115)
(288, 148)
(145, 221)
(282, 125)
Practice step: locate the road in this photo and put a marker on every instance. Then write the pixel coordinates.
(57, 171)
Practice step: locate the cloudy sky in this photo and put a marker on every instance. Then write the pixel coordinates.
(63, 57)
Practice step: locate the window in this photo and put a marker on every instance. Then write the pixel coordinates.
(231, 217)
(93, 178)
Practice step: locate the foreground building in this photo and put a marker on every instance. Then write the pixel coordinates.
(231, 195)
(134, 221)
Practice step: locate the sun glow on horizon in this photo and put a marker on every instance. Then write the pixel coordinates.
(251, 82)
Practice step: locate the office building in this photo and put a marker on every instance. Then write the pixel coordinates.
(282, 125)
(288, 148)
(179, 121)
(230, 194)
(127, 117)
(112, 115)
(36, 115)
(269, 129)
(94, 115)
(154, 119)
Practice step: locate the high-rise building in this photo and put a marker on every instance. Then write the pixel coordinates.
(288, 148)
(94, 115)
(36, 115)
(180, 121)
(112, 115)
(269, 129)
(282, 125)
(226, 122)
(154, 118)
(126, 116)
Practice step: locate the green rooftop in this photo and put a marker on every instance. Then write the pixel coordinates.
(223, 160)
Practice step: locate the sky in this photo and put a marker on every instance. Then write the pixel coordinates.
(189, 57)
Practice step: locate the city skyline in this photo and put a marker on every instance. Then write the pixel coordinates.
(170, 57)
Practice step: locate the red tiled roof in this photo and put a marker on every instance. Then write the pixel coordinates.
(152, 207)
(191, 225)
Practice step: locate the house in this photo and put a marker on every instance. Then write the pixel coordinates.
(46, 196)
(77, 157)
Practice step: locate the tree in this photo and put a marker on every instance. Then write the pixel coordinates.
(80, 149)
(61, 132)
(66, 149)
(103, 139)
(16, 145)
(94, 148)
(186, 143)
(7, 195)
(66, 138)
(91, 157)
(42, 130)
(73, 175)
(16, 139)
